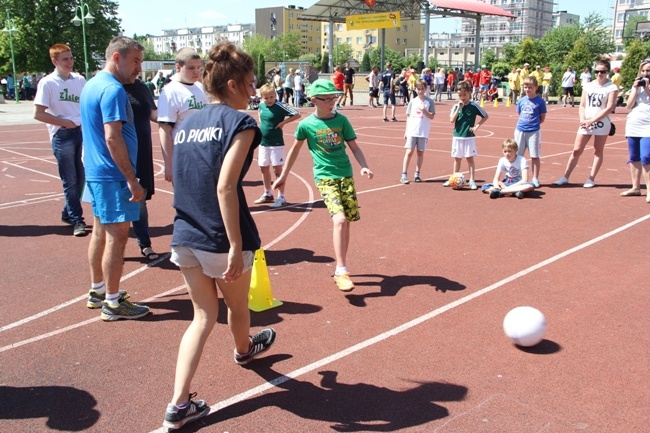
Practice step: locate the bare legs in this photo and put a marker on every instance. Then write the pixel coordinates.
(341, 238)
(579, 147)
(205, 300)
(106, 253)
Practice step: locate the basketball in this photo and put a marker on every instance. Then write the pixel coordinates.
(525, 326)
(457, 180)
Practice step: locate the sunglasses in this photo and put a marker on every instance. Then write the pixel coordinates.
(601, 71)
(326, 99)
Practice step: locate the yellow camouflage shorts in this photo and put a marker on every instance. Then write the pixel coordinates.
(339, 195)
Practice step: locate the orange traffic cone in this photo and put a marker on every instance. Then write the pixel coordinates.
(260, 296)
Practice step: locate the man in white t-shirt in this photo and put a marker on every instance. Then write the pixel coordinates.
(180, 98)
(568, 81)
(57, 104)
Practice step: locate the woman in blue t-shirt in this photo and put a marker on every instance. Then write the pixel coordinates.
(215, 237)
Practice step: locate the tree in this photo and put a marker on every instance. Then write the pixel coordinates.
(598, 40)
(579, 58)
(558, 41)
(365, 62)
(509, 53)
(47, 22)
(285, 47)
(636, 53)
(489, 58)
(530, 51)
(342, 53)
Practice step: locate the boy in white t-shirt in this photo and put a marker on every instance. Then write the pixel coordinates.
(180, 98)
(514, 170)
(419, 112)
(57, 104)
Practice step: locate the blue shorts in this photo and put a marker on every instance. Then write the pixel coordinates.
(389, 97)
(639, 148)
(110, 202)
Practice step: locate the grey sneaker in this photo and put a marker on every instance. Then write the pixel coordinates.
(176, 418)
(519, 195)
(279, 202)
(125, 310)
(264, 199)
(404, 180)
(260, 343)
(79, 229)
(561, 181)
(95, 299)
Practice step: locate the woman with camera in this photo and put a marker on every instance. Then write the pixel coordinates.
(596, 103)
(637, 131)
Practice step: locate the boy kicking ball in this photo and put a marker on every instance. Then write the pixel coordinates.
(327, 132)
(273, 115)
(514, 169)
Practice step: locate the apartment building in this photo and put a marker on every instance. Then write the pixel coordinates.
(200, 38)
(563, 18)
(534, 18)
(623, 9)
(408, 36)
(275, 21)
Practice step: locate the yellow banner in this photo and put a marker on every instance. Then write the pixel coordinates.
(383, 20)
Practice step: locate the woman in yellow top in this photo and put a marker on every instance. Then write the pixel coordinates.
(546, 82)
(514, 84)
(412, 79)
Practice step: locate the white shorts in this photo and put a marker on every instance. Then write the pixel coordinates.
(419, 142)
(212, 264)
(529, 140)
(601, 127)
(463, 147)
(270, 155)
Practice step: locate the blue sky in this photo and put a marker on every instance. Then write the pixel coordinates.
(144, 17)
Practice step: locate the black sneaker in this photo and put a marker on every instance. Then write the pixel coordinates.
(176, 418)
(260, 343)
(385, 119)
(495, 194)
(417, 179)
(394, 119)
(79, 229)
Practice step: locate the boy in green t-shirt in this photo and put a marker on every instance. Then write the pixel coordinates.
(326, 133)
(463, 116)
(273, 116)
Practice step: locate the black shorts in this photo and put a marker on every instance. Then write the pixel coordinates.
(374, 92)
(568, 91)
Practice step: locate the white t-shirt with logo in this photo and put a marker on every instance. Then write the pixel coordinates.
(177, 101)
(60, 97)
(417, 124)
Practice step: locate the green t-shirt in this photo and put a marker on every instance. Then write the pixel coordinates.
(466, 119)
(326, 140)
(270, 117)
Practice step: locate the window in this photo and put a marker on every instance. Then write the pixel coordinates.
(348, 41)
(397, 42)
(359, 40)
(405, 41)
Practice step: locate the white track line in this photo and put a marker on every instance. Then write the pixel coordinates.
(163, 257)
(408, 325)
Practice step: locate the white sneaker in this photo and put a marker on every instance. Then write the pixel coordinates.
(561, 181)
(536, 182)
(589, 184)
(279, 202)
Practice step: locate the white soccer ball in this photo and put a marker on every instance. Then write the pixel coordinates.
(525, 326)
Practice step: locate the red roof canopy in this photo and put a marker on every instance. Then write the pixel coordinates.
(476, 6)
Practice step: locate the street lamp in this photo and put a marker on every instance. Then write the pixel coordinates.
(80, 20)
(10, 28)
